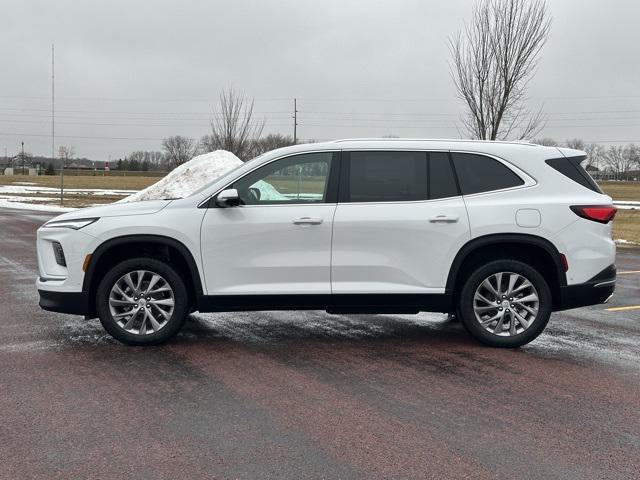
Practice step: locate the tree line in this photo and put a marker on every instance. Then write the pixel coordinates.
(617, 161)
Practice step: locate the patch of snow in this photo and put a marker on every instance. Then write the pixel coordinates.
(16, 198)
(622, 241)
(13, 189)
(24, 183)
(188, 177)
(17, 205)
(627, 205)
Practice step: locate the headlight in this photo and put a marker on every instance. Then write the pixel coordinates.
(75, 224)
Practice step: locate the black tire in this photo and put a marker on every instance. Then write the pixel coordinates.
(180, 297)
(473, 325)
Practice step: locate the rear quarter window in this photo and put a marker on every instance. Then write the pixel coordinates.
(477, 174)
(570, 167)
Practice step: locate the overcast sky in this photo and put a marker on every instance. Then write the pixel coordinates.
(129, 73)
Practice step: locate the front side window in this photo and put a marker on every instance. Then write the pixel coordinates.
(296, 179)
(477, 173)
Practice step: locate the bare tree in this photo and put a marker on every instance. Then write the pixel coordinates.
(633, 154)
(595, 156)
(179, 149)
(546, 141)
(575, 143)
(620, 160)
(66, 153)
(494, 57)
(233, 126)
(270, 142)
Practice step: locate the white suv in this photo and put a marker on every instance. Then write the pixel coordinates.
(499, 234)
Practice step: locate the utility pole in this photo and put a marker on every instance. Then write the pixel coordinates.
(22, 155)
(53, 123)
(295, 121)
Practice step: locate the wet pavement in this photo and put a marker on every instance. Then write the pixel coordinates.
(307, 395)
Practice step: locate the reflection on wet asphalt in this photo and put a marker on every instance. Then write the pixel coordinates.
(313, 395)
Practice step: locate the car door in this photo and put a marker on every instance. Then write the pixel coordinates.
(278, 240)
(399, 223)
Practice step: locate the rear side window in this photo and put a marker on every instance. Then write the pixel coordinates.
(442, 181)
(570, 167)
(387, 176)
(477, 173)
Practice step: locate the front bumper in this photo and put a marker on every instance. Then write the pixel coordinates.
(596, 291)
(76, 303)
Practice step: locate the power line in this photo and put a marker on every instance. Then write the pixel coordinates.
(121, 124)
(313, 99)
(160, 139)
(133, 113)
(279, 113)
(6, 134)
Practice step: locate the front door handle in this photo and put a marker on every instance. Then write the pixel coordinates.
(307, 221)
(444, 219)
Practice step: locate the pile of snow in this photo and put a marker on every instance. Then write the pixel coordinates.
(189, 177)
(196, 173)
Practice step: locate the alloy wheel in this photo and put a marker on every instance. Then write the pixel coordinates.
(506, 304)
(141, 302)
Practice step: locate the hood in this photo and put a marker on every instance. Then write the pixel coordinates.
(117, 210)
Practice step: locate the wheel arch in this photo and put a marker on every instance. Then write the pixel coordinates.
(540, 252)
(130, 246)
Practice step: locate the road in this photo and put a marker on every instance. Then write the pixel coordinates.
(306, 395)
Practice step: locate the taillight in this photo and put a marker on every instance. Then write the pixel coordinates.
(597, 213)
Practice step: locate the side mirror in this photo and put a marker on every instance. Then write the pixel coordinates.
(228, 198)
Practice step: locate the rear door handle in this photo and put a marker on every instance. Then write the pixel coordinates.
(444, 219)
(307, 221)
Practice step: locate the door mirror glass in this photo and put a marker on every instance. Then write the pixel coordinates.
(228, 198)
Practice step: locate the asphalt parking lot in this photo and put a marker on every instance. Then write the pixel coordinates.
(309, 395)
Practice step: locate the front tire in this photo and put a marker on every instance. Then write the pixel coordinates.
(505, 303)
(142, 301)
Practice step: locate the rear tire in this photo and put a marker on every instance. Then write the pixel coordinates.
(505, 303)
(142, 301)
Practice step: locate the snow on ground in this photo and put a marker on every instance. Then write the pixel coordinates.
(7, 202)
(622, 241)
(627, 205)
(37, 190)
(188, 177)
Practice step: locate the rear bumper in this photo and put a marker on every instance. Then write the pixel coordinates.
(597, 290)
(76, 303)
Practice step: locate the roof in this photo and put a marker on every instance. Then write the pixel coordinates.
(498, 148)
(439, 140)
